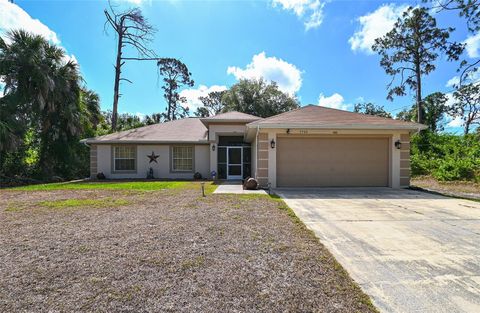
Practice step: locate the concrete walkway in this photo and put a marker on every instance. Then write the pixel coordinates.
(236, 187)
(410, 251)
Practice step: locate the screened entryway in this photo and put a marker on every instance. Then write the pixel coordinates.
(234, 158)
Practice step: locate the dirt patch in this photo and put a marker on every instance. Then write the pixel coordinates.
(462, 189)
(166, 251)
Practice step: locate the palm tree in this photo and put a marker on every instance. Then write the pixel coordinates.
(44, 91)
(90, 108)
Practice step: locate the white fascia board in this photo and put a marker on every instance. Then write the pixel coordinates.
(153, 142)
(210, 121)
(340, 126)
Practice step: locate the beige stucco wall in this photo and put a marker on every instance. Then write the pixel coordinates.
(397, 157)
(160, 169)
(254, 157)
(214, 130)
(213, 157)
(93, 161)
(264, 163)
(405, 170)
(202, 160)
(260, 167)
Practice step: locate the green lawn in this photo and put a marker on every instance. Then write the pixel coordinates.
(72, 203)
(124, 185)
(74, 242)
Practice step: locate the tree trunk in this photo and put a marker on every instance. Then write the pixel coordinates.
(468, 121)
(418, 75)
(118, 71)
(169, 104)
(168, 109)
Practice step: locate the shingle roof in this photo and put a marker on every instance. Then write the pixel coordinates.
(187, 130)
(231, 116)
(322, 117)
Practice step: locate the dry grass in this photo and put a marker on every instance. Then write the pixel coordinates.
(462, 189)
(168, 250)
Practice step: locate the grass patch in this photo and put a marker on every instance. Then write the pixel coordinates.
(73, 203)
(455, 189)
(209, 186)
(280, 203)
(284, 207)
(69, 203)
(13, 209)
(131, 185)
(192, 263)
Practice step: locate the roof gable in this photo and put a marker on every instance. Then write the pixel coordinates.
(187, 130)
(323, 117)
(232, 116)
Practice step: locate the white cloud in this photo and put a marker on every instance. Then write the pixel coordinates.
(72, 58)
(193, 95)
(450, 99)
(286, 75)
(140, 3)
(453, 81)
(374, 25)
(360, 99)
(473, 45)
(335, 101)
(140, 115)
(136, 2)
(14, 17)
(454, 122)
(473, 77)
(310, 12)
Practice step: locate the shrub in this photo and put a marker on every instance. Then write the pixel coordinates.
(446, 156)
(451, 169)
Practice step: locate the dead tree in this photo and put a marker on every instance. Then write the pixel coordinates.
(132, 30)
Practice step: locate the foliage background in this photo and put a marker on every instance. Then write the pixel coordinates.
(446, 157)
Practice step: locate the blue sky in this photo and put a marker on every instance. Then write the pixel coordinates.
(317, 49)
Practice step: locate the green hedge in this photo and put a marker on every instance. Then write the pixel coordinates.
(446, 157)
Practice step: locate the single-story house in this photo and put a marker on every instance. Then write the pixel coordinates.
(311, 146)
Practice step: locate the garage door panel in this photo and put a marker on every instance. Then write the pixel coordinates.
(332, 162)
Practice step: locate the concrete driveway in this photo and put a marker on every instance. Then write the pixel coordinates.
(410, 251)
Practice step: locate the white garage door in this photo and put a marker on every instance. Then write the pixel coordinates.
(332, 162)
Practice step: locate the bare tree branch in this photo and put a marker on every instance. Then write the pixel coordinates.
(128, 80)
(132, 30)
(141, 59)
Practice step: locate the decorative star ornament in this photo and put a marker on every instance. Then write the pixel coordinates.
(153, 157)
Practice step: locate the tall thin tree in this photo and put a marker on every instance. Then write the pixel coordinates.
(410, 49)
(132, 30)
(175, 75)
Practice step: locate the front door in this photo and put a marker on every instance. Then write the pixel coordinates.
(234, 162)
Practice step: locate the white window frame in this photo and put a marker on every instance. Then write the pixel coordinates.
(114, 159)
(173, 158)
